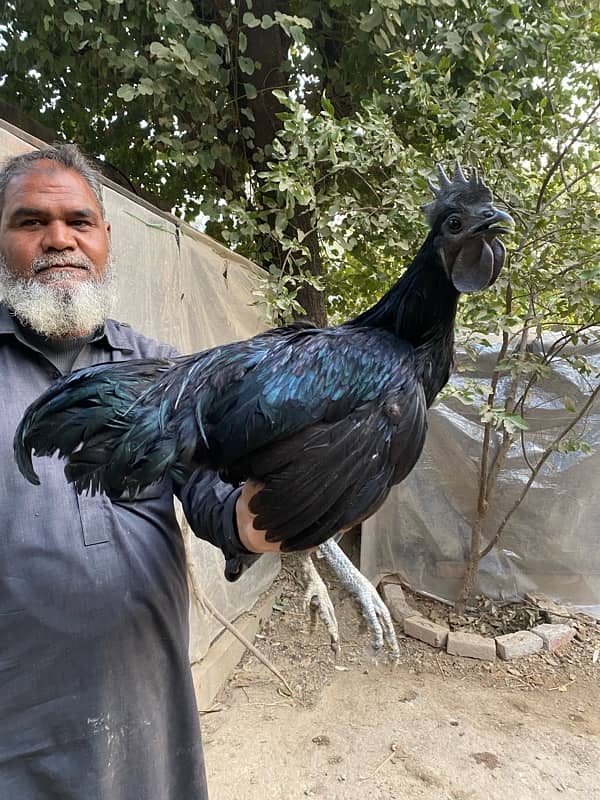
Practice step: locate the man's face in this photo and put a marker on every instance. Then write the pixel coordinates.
(52, 230)
(55, 253)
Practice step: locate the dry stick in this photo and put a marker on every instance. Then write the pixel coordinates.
(439, 663)
(203, 602)
(394, 751)
(543, 458)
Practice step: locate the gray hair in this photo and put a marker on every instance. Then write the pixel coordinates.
(68, 156)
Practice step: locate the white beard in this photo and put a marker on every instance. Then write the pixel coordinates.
(58, 312)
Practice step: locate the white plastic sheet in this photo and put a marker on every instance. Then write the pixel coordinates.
(551, 543)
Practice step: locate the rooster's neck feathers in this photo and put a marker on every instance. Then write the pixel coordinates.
(420, 308)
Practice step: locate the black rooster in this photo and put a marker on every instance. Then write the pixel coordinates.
(327, 419)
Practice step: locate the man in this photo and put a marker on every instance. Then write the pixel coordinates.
(96, 695)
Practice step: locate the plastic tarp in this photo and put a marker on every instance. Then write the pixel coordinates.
(550, 544)
(182, 287)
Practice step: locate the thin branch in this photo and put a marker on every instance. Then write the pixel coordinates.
(482, 499)
(510, 403)
(561, 154)
(524, 452)
(572, 183)
(550, 355)
(543, 458)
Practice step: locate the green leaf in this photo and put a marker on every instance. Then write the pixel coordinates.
(145, 86)
(372, 20)
(250, 20)
(327, 105)
(180, 51)
(73, 18)
(297, 34)
(126, 92)
(516, 421)
(246, 65)
(218, 35)
(250, 90)
(159, 50)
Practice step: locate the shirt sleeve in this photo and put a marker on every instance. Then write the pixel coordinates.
(209, 507)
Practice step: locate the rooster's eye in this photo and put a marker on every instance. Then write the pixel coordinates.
(454, 224)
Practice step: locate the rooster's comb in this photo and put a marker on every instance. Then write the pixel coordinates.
(458, 190)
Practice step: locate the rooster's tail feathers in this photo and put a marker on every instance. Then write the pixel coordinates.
(98, 420)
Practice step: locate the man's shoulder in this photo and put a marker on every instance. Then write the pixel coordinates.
(122, 336)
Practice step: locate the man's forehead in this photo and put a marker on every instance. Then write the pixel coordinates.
(47, 177)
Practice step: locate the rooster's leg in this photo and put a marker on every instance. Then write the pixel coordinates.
(316, 597)
(374, 610)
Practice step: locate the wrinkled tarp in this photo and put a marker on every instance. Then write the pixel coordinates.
(551, 543)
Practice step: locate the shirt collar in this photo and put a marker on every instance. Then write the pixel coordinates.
(112, 332)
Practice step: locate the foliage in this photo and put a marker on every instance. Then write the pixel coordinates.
(370, 95)
(303, 132)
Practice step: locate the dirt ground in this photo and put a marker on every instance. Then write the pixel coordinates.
(435, 726)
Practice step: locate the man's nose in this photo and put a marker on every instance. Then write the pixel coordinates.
(58, 236)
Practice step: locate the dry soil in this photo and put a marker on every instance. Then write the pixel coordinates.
(435, 726)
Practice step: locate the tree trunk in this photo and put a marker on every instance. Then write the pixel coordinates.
(268, 48)
(312, 300)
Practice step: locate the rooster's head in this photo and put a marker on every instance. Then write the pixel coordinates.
(465, 226)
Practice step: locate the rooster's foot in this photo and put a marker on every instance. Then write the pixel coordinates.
(317, 599)
(373, 609)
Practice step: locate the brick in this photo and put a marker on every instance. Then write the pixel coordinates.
(426, 631)
(394, 599)
(471, 645)
(554, 636)
(517, 645)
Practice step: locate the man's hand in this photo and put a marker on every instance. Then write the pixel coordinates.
(252, 539)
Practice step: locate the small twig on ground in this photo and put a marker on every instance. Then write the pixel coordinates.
(213, 710)
(268, 705)
(439, 663)
(394, 752)
(563, 687)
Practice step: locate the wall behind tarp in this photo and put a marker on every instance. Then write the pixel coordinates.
(180, 286)
(552, 542)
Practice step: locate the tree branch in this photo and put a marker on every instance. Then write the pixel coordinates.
(543, 458)
(561, 154)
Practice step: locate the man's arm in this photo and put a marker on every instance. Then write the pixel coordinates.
(218, 513)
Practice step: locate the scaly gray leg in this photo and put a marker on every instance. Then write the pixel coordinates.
(374, 610)
(316, 597)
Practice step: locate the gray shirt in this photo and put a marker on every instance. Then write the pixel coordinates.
(96, 694)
